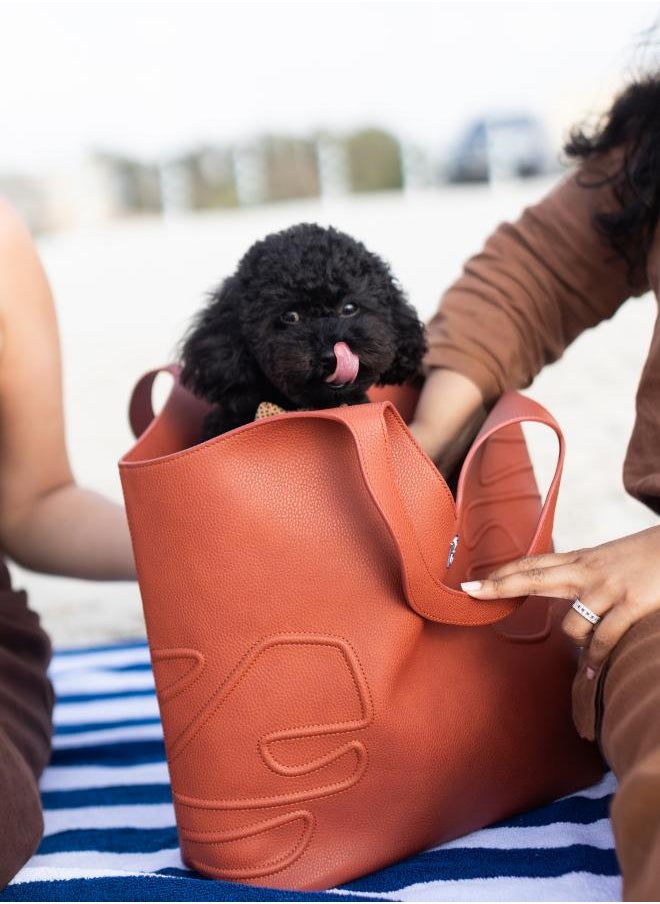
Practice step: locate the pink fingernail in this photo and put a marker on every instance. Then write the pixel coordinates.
(591, 674)
(470, 586)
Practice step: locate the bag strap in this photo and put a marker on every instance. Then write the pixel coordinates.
(426, 594)
(513, 408)
(140, 408)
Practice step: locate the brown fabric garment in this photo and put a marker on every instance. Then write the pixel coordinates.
(533, 289)
(622, 709)
(630, 738)
(26, 703)
(538, 284)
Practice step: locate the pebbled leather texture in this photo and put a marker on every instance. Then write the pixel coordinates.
(315, 661)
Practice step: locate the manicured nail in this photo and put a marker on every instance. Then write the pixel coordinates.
(471, 586)
(591, 674)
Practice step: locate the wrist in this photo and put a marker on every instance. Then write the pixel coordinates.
(449, 414)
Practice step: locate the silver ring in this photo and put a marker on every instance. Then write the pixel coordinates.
(586, 612)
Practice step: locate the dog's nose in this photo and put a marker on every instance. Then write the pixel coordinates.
(328, 360)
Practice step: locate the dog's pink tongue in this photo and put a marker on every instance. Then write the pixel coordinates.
(348, 365)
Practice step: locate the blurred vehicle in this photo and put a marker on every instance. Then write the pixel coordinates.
(499, 146)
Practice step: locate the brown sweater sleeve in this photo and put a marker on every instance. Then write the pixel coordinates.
(535, 286)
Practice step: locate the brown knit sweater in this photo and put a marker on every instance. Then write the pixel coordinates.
(535, 286)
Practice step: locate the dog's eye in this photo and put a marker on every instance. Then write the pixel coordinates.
(348, 309)
(290, 317)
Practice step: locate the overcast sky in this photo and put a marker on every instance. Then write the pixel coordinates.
(153, 78)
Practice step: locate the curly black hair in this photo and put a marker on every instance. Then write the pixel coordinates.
(633, 125)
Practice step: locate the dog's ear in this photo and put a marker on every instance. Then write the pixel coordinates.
(410, 341)
(214, 354)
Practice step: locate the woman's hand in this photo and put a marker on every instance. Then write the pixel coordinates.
(619, 581)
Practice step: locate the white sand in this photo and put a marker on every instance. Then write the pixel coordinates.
(125, 293)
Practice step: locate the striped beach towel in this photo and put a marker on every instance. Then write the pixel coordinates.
(110, 831)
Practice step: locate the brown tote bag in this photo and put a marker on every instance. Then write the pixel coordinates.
(331, 702)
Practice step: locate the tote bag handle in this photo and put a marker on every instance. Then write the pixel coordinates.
(140, 407)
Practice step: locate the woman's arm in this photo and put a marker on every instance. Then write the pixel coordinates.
(533, 288)
(47, 523)
(449, 414)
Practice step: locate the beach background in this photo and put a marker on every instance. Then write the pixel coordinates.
(126, 286)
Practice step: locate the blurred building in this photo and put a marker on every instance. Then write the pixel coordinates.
(332, 162)
(291, 168)
(270, 168)
(125, 185)
(249, 173)
(374, 161)
(417, 168)
(513, 146)
(101, 187)
(201, 179)
(276, 168)
(28, 195)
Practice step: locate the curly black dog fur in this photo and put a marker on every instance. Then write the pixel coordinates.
(269, 331)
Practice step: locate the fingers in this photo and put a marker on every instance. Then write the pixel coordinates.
(559, 580)
(528, 563)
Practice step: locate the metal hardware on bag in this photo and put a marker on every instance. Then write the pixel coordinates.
(452, 551)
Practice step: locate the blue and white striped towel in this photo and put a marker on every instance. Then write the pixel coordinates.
(110, 832)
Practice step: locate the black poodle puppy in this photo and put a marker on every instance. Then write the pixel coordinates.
(310, 319)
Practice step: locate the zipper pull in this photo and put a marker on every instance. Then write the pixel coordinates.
(452, 551)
